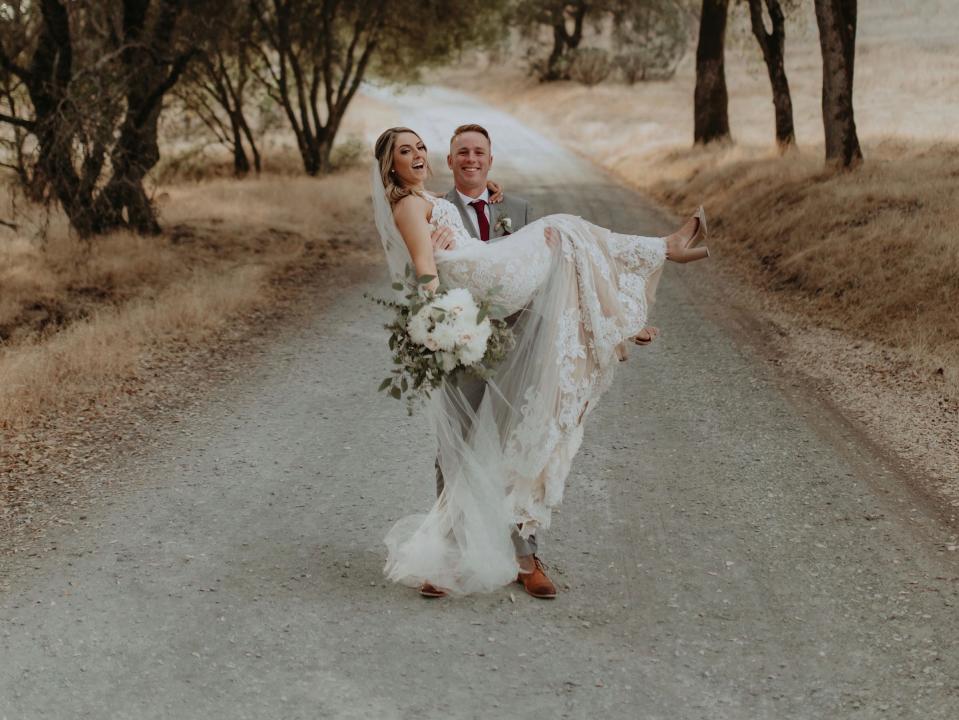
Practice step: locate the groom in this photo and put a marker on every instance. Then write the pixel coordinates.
(470, 160)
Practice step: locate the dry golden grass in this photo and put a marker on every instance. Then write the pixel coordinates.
(79, 318)
(95, 358)
(872, 252)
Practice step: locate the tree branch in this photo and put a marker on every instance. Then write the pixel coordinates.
(19, 122)
(179, 65)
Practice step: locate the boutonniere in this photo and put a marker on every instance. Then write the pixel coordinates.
(505, 224)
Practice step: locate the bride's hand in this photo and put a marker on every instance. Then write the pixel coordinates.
(443, 238)
(495, 191)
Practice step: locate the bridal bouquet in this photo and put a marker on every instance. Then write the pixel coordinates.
(437, 333)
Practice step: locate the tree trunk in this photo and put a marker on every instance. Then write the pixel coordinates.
(563, 40)
(711, 114)
(137, 151)
(257, 164)
(51, 70)
(837, 38)
(316, 155)
(241, 164)
(559, 45)
(135, 154)
(773, 46)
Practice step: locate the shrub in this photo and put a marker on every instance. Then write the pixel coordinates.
(590, 66)
(349, 153)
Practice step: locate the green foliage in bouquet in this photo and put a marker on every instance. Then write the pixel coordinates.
(427, 336)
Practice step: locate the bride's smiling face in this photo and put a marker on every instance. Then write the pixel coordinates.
(410, 164)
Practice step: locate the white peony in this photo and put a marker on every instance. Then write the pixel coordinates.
(445, 335)
(457, 303)
(472, 353)
(457, 338)
(464, 322)
(447, 360)
(454, 297)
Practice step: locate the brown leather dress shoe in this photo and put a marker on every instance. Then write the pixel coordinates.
(536, 583)
(431, 591)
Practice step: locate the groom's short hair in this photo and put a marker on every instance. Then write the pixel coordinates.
(471, 127)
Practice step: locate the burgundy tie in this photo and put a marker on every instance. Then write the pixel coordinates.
(480, 207)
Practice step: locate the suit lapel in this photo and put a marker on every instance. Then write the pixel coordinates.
(454, 197)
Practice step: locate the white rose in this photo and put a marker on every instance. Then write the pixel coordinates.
(431, 343)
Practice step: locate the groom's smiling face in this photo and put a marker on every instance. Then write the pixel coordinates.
(470, 159)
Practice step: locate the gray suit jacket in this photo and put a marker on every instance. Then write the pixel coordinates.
(515, 208)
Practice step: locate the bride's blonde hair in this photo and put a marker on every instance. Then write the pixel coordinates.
(383, 151)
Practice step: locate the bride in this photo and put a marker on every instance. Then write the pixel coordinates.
(581, 292)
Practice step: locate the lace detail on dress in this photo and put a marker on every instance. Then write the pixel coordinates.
(445, 214)
(517, 269)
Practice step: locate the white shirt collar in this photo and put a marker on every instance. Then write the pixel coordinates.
(467, 199)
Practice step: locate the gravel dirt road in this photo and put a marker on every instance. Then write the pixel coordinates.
(727, 547)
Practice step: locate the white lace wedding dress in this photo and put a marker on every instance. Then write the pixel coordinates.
(505, 463)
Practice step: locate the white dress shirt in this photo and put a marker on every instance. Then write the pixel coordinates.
(472, 213)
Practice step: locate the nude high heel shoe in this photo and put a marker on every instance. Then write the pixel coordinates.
(689, 251)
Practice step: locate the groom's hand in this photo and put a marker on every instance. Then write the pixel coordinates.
(442, 238)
